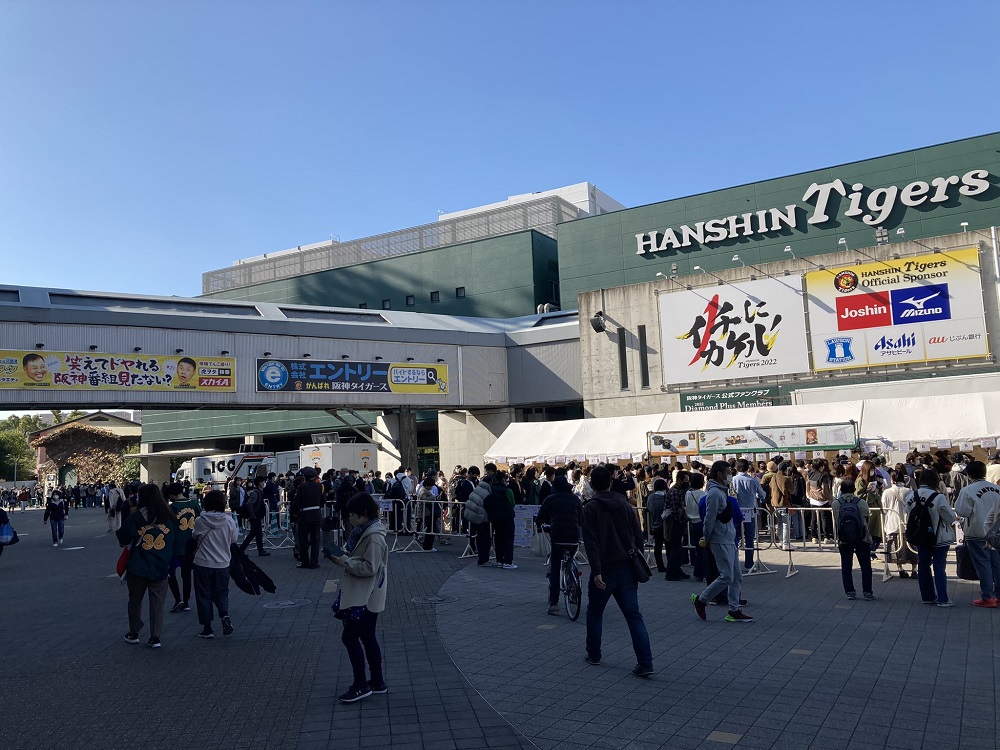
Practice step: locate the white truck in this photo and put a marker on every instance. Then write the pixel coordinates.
(217, 470)
(323, 456)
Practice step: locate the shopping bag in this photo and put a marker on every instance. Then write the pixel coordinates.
(123, 561)
(8, 537)
(541, 546)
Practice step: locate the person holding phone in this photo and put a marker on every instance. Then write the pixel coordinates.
(362, 594)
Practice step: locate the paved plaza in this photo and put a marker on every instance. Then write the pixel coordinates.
(486, 667)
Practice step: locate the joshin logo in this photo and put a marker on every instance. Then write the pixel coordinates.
(863, 311)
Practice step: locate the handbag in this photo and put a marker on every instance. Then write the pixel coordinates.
(541, 546)
(123, 561)
(640, 568)
(8, 537)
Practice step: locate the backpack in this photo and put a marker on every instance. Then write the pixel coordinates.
(395, 491)
(850, 527)
(920, 531)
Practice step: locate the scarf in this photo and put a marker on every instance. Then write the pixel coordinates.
(355, 536)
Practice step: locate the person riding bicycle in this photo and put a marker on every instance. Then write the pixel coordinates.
(563, 512)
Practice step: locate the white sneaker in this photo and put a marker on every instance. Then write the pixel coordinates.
(510, 566)
(54, 544)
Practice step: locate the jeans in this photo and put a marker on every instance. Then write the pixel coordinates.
(863, 551)
(730, 575)
(58, 527)
(359, 640)
(658, 548)
(211, 587)
(137, 588)
(936, 586)
(675, 548)
(619, 583)
(555, 565)
(697, 553)
(481, 534)
(749, 537)
(987, 562)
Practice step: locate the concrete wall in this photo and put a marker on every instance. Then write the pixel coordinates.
(463, 437)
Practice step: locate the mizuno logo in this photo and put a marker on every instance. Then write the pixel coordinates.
(919, 303)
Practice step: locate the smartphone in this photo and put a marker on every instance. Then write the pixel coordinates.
(333, 551)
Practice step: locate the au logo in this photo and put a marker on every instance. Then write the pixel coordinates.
(838, 350)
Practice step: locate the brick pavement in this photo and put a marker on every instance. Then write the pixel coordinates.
(813, 671)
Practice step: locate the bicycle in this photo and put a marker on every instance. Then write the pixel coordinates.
(569, 580)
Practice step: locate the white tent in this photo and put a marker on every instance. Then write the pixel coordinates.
(530, 440)
(616, 437)
(762, 416)
(955, 419)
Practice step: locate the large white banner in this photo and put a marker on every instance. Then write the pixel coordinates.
(752, 439)
(742, 330)
(916, 309)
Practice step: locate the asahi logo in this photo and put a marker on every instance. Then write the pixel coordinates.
(902, 343)
(872, 207)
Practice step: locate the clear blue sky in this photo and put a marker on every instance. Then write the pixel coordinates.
(146, 142)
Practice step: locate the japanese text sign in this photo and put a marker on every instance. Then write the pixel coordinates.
(317, 376)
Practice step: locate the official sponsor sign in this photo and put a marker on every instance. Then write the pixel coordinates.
(743, 330)
(917, 309)
(91, 371)
(316, 376)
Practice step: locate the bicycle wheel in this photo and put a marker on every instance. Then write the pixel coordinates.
(573, 595)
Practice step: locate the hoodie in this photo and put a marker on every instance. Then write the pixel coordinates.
(716, 500)
(610, 530)
(215, 533)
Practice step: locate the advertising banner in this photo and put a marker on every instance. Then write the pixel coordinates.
(312, 375)
(737, 398)
(917, 309)
(743, 330)
(665, 444)
(783, 439)
(89, 371)
(524, 524)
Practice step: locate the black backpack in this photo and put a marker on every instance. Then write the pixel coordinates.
(850, 527)
(920, 531)
(395, 491)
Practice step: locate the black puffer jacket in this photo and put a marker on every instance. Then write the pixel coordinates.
(563, 511)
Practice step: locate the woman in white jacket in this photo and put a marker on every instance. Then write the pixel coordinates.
(894, 521)
(362, 594)
(934, 589)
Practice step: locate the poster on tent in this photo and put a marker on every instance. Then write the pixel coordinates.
(742, 330)
(916, 309)
(781, 439)
(666, 444)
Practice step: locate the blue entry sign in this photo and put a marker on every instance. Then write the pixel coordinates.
(313, 376)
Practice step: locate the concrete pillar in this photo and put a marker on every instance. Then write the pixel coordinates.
(402, 450)
(464, 436)
(153, 469)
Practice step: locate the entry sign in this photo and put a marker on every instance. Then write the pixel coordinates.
(737, 398)
(318, 376)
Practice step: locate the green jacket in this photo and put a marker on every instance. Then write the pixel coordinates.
(153, 545)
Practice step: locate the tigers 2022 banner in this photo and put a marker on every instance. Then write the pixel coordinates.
(731, 331)
(87, 371)
(917, 309)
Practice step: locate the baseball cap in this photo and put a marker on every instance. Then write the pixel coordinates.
(309, 472)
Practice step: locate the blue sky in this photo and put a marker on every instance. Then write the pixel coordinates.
(145, 143)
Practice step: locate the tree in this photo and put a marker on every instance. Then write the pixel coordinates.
(75, 414)
(16, 457)
(57, 416)
(23, 423)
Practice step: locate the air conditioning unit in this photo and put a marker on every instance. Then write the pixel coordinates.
(325, 437)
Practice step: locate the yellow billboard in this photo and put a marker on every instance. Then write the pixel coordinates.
(88, 371)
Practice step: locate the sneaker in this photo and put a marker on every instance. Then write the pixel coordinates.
(355, 694)
(552, 610)
(986, 603)
(903, 574)
(185, 607)
(154, 643)
(868, 596)
(55, 544)
(929, 601)
(641, 671)
(591, 660)
(378, 688)
(227, 625)
(510, 566)
(852, 595)
(178, 607)
(265, 553)
(206, 632)
(131, 638)
(946, 604)
(738, 616)
(699, 606)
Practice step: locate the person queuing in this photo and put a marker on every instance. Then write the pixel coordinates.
(362, 595)
(851, 516)
(150, 533)
(562, 511)
(932, 552)
(978, 505)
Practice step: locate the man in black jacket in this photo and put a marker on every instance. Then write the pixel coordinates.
(610, 530)
(307, 512)
(563, 512)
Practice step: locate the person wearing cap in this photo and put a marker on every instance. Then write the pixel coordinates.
(993, 469)
(255, 511)
(307, 514)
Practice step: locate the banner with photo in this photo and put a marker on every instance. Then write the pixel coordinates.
(916, 309)
(741, 330)
(316, 375)
(666, 444)
(745, 440)
(62, 371)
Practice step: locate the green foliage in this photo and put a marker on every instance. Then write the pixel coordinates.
(130, 466)
(14, 449)
(22, 423)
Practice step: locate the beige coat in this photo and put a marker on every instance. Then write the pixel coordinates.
(366, 577)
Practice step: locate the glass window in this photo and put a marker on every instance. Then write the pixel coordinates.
(460, 292)
(363, 306)
(410, 300)
(435, 296)
(643, 358)
(623, 357)
(385, 304)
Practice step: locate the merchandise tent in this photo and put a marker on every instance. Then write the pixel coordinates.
(962, 418)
